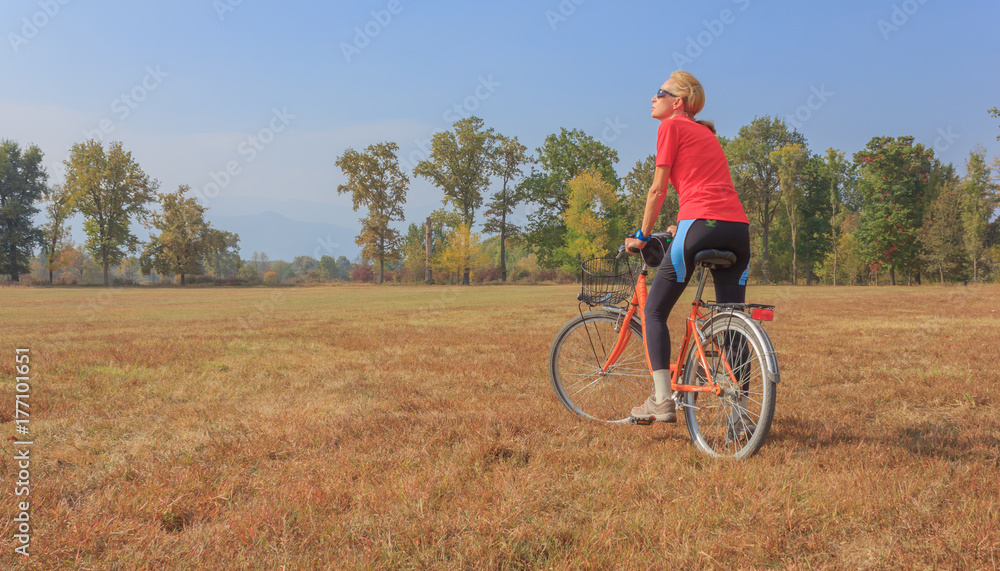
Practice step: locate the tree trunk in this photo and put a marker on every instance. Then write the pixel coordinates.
(834, 258)
(503, 251)
(381, 272)
(465, 276)
(795, 267)
(427, 245)
(892, 275)
(763, 262)
(107, 275)
(182, 279)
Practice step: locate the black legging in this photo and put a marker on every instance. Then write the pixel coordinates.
(677, 268)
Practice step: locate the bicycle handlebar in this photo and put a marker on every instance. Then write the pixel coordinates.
(622, 248)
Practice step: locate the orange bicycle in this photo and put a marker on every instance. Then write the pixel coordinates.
(725, 377)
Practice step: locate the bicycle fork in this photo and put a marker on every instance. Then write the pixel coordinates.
(625, 334)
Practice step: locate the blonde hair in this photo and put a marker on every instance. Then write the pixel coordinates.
(689, 90)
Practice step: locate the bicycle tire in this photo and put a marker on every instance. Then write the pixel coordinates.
(734, 424)
(578, 354)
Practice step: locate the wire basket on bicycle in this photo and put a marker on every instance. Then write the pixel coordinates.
(607, 281)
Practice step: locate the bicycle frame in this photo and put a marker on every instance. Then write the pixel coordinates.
(638, 302)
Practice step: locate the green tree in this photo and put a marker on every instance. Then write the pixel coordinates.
(510, 156)
(185, 238)
(222, 258)
(415, 248)
(460, 164)
(815, 235)
(840, 173)
(979, 201)
(941, 234)
(22, 184)
(328, 267)
(562, 157)
(110, 190)
(282, 271)
(344, 268)
(894, 178)
(790, 160)
(258, 264)
(55, 233)
(756, 178)
(376, 183)
(302, 265)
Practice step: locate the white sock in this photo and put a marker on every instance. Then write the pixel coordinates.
(661, 381)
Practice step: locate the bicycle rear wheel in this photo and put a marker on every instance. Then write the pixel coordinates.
(737, 422)
(578, 354)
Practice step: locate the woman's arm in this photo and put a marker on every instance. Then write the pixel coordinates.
(654, 201)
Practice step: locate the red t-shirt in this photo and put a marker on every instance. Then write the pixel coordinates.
(698, 170)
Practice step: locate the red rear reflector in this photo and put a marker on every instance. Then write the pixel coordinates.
(762, 314)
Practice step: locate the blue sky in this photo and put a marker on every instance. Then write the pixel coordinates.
(275, 92)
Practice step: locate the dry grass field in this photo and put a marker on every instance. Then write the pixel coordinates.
(414, 427)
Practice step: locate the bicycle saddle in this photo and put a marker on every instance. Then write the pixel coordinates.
(715, 259)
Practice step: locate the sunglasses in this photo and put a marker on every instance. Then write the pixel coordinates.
(661, 93)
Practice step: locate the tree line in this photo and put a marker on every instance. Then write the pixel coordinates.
(109, 188)
(889, 211)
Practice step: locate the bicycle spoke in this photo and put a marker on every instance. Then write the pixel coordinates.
(582, 353)
(730, 424)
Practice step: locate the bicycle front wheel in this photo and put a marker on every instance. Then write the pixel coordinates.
(579, 352)
(735, 423)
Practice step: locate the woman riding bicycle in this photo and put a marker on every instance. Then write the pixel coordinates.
(689, 155)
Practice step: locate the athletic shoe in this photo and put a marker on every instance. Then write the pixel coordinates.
(650, 410)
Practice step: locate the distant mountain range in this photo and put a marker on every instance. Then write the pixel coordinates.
(283, 229)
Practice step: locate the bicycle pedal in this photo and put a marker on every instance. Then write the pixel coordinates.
(640, 421)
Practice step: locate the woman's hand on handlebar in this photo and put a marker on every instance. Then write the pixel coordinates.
(633, 245)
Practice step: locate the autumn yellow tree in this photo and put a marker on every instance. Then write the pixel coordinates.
(463, 250)
(790, 159)
(588, 233)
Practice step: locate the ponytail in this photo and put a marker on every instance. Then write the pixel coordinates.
(709, 124)
(689, 89)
